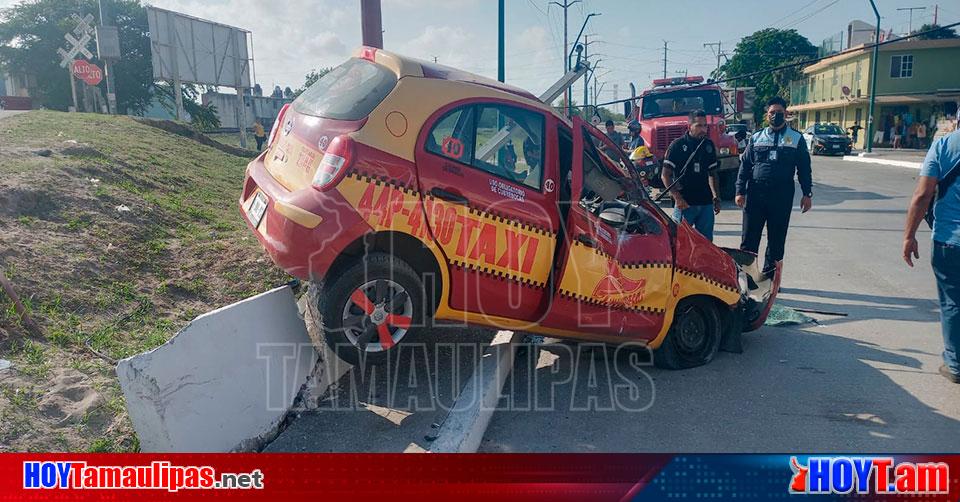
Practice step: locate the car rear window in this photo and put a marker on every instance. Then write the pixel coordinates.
(348, 92)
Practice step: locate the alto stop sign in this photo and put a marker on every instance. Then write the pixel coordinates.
(88, 72)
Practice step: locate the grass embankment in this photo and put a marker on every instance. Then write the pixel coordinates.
(116, 234)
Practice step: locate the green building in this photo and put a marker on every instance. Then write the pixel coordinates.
(917, 80)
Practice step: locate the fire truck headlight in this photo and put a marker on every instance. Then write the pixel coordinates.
(725, 151)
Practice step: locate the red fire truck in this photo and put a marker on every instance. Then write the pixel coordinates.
(662, 110)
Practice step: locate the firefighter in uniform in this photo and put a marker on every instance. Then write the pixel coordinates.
(765, 186)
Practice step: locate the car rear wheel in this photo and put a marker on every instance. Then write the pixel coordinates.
(694, 337)
(369, 309)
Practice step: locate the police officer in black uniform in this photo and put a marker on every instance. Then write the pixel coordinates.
(765, 186)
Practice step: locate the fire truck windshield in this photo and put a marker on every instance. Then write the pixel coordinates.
(681, 103)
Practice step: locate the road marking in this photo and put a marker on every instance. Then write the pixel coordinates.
(886, 162)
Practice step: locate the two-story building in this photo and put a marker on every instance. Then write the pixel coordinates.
(917, 80)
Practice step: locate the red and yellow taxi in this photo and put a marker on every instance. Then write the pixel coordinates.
(409, 193)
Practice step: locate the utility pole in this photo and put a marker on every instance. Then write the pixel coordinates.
(664, 59)
(371, 23)
(911, 9)
(719, 45)
(873, 79)
(500, 56)
(566, 48)
(586, 81)
(107, 63)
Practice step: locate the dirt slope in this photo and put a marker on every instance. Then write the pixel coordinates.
(115, 234)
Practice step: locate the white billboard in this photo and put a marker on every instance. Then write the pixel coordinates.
(197, 51)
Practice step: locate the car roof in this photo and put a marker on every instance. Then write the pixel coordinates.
(404, 66)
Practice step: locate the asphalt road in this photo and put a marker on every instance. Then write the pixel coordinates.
(865, 382)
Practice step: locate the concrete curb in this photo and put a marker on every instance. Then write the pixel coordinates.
(463, 429)
(886, 162)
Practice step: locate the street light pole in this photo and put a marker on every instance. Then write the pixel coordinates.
(570, 54)
(500, 59)
(873, 79)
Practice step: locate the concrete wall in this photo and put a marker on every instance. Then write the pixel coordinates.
(224, 382)
(263, 108)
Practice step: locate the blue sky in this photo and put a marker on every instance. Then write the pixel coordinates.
(292, 36)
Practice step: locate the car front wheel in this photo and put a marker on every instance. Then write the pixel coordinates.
(694, 336)
(369, 309)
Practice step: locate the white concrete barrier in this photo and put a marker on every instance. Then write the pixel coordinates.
(463, 428)
(223, 383)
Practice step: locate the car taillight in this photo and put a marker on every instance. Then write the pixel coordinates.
(277, 124)
(336, 160)
(369, 53)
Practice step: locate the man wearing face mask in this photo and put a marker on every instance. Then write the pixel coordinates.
(765, 185)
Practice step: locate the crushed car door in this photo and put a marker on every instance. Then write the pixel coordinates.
(616, 267)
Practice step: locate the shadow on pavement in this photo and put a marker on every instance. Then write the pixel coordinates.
(791, 390)
(386, 408)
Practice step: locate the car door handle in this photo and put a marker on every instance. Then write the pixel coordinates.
(586, 240)
(449, 196)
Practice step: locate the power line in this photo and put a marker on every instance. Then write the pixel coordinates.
(806, 61)
(808, 16)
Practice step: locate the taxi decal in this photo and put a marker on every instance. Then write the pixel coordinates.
(472, 239)
(596, 278)
(694, 283)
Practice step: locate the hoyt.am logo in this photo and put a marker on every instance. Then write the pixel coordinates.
(877, 475)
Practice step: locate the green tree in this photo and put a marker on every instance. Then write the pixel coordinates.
(936, 35)
(310, 79)
(761, 52)
(203, 117)
(31, 32)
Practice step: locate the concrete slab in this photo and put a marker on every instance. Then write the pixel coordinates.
(223, 383)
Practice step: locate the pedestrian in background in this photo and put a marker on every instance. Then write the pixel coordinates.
(693, 157)
(259, 134)
(765, 185)
(938, 178)
(615, 136)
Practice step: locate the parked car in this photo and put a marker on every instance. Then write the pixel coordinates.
(733, 129)
(395, 187)
(827, 139)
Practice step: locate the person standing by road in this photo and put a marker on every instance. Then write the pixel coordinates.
(259, 134)
(938, 178)
(765, 185)
(696, 193)
(615, 136)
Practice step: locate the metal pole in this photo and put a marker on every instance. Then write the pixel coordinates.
(664, 59)
(500, 36)
(108, 66)
(566, 60)
(586, 81)
(873, 79)
(73, 86)
(371, 23)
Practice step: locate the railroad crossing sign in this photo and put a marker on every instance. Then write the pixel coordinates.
(77, 45)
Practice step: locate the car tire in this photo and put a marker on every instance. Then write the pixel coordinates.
(354, 332)
(694, 337)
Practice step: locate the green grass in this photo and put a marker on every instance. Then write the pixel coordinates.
(118, 282)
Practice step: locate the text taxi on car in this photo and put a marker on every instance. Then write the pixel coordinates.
(409, 193)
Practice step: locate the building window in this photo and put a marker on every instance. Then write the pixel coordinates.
(901, 66)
